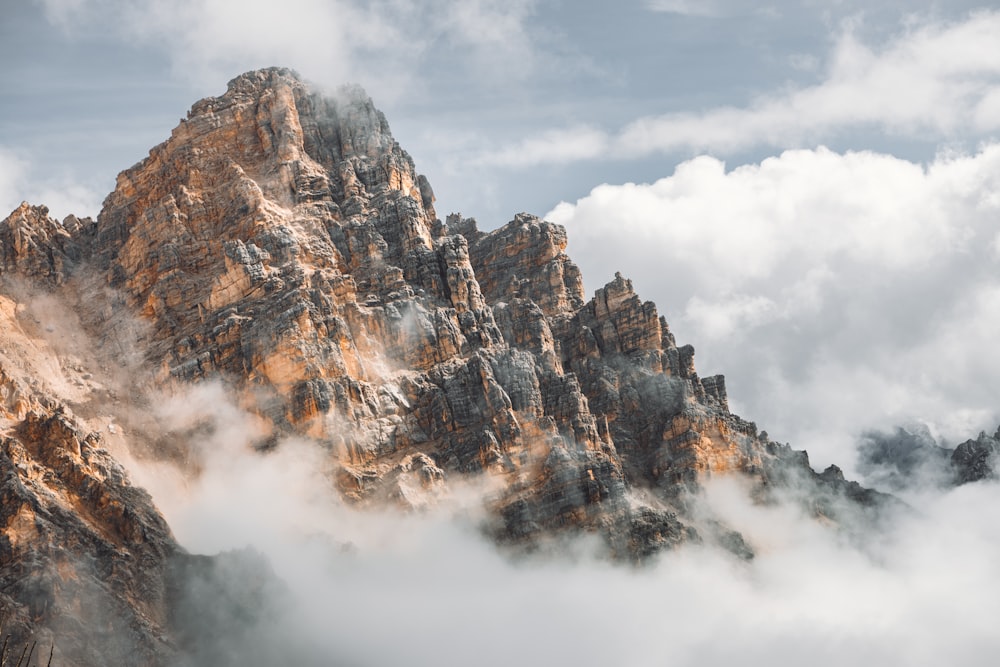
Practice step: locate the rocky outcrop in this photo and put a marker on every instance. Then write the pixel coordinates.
(84, 555)
(975, 460)
(88, 567)
(525, 260)
(39, 248)
(282, 241)
(912, 457)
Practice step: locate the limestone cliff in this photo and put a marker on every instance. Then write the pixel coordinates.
(282, 242)
(84, 555)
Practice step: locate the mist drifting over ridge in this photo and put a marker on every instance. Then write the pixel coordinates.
(917, 591)
(899, 285)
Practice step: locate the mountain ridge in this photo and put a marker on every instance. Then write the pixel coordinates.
(282, 243)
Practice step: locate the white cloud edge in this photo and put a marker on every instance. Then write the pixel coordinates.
(19, 182)
(211, 40)
(938, 80)
(753, 266)
(694, 8)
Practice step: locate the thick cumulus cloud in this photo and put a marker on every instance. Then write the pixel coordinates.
(938, 80)
(836, 291)
(378, 587)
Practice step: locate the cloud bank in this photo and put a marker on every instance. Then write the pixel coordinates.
(937, 81)
(837, 292)
(428, 589)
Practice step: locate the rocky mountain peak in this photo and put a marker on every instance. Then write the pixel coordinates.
(281, 243)
(261, 195)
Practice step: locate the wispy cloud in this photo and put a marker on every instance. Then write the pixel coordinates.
(935, 80)
(382, 44)
(555, 146)
(19, 182)
(686, 7)
(808, 597)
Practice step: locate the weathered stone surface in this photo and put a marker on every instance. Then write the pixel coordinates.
(273, 199)
(975, 460)
(87, 564)
(525, 259)
(37, 247)
(282, 243)
(83, 553)
(912, 457)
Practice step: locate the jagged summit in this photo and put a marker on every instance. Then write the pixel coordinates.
(281, 242)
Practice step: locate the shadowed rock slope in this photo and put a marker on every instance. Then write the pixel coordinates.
(911, 457)
(87, 563)
(282, 242)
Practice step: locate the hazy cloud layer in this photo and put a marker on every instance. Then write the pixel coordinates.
(428, 589)
(685, 7)
(20, 182)
(11, 170)
(835, 291)
(382, 44)
(934, 80)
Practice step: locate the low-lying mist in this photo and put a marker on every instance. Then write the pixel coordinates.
(366, 587)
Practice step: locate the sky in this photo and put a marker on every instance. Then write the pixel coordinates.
(808, 190)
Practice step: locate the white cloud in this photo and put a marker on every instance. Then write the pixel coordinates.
(20, 182)
(554, 146)
(987, 112)
(382, 44)
(427, 589)
(11, 179)
(836, 292)
(685, 7)
(721, 319)
(935, 80)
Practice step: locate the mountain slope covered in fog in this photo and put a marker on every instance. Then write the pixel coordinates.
(271, 327)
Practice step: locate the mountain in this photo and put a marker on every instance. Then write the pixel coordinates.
(911, 458)
(281, 244)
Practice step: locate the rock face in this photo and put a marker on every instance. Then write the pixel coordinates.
(84, 555)
(397, 339)
(281, 241)
(910, 458)
(36, 247)
(82, 549)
